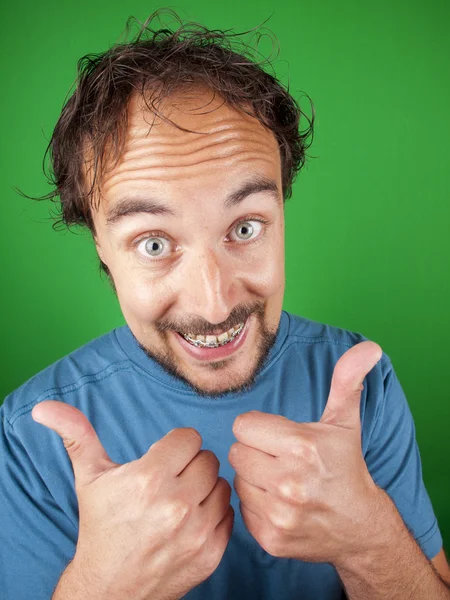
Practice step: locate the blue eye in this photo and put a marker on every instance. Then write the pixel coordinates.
(151, 246)
(245, 229)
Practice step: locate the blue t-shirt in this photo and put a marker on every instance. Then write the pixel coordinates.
(132, 402)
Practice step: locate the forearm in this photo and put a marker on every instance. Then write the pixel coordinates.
(393, 567)
(76, 583)
(81, 583)
(71, 586)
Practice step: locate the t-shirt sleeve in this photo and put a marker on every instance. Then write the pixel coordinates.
(393, 460)
(37, 540)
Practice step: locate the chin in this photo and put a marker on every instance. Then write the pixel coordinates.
(219, 377)
(228, 385)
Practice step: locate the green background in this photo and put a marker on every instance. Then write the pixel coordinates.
(367, 228)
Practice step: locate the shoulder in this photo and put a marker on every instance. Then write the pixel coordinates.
(316, 347)
(94, 361)
(314, 340)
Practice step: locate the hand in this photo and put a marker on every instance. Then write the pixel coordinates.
(153, 528)
(305, 491)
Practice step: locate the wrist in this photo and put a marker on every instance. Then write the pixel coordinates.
(80, 582)
(74, 584)
(383, 524)
(390, 563)
(70, 585)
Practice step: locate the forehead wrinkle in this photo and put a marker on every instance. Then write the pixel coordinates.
(160, 150)
(220, 132)
(156, 153)
(166, 172)
(191, 144)
(157, 158)
(159, 145)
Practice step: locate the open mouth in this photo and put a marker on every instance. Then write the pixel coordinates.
(215, 347)
(214, 341)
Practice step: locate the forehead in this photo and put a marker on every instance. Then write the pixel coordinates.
(224, 144)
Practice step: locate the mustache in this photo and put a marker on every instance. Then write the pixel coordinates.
(201, 327)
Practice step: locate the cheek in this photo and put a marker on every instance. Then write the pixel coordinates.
(267, 274)
(144, 298)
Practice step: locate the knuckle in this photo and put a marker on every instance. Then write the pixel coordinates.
(193, 433)
(73, 447)
(144, 480)
(274, 543)
(291, 490)
(296, 447)
(200, 541)
(209, 463)
(311, 452)
(281, 520)
(144, 486)
(224, 483)
(304, 451)
(175, 513)
(195, 545)
(211, 457)
(185, 434)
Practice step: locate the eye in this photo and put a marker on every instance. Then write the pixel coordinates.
(245, 229)
(152, 246)
(157, 246)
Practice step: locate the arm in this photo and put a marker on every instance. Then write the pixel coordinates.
(441, 566)
(400, 563)
(394, 567)
(37, 538)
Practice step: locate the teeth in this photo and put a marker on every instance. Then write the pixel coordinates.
(212, 341)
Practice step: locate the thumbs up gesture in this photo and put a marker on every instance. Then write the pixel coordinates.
(305, 491)
(153, 528)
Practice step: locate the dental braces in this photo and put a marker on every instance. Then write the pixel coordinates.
(200, 344)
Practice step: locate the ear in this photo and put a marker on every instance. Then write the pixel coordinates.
(103, 265)
(100, 252)
(98, 248)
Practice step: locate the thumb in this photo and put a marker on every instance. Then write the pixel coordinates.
(87, 455)
(343, 405)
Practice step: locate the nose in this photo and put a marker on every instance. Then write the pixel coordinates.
(207, 286)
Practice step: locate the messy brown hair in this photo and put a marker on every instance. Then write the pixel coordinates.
(156, 63)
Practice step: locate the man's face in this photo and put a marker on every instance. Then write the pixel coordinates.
(186, 245)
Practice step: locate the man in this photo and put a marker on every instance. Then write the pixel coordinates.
(106, 491)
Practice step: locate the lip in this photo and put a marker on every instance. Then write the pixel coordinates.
(209, 354)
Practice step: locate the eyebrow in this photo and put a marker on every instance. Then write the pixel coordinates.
(131, 205)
